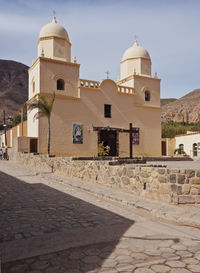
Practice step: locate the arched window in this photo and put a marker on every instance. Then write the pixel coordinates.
(181, 148)
(194, 149)
(60, 84)
(147, 95)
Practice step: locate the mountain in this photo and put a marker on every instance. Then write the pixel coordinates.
(13, 86)
(186, 108)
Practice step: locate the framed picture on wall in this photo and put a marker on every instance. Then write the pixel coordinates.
(77, 133)
(136, 136)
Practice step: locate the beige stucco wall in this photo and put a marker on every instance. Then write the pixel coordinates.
(139, 66)
(170, 146)
(46, 45)
(54, 48)
(13, 133)
(50, 71)
(141, 84)
(89, 110)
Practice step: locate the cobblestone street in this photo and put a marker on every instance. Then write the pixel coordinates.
(51, 227)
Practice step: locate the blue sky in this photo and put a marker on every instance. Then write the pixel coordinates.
(101, 30)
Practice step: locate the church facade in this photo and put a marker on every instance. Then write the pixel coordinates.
(87, 112)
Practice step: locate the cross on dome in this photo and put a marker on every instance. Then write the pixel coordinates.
(54, 20)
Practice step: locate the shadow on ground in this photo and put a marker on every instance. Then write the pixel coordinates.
(37, 221)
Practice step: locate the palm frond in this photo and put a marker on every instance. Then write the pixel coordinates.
(40, 102)
(38, 115)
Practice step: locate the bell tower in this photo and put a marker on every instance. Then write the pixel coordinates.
(135, 61)
(54, 42)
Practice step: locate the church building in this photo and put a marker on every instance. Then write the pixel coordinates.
(88, 112)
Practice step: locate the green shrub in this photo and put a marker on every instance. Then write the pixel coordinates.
(103, 150)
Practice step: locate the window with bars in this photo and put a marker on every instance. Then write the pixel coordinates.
(60, 84)
(147, 96)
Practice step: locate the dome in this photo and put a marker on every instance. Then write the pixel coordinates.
(135, 51)
(54, 29)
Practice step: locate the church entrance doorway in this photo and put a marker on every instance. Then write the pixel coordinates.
(109, 137)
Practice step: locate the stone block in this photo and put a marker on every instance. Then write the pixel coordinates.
(186, 199)
(197, 199)
(176, 189)
(144, 174)
(186, 189)
(198, 173)
(172, 178)
(165, 198)
(117, 180)
(130, 173)
(190, 173)
(173, 171)
(162, 179)
(119, 171)
(195, 180)
(112, 180)
(165, 188)
(161, 171)
(113, 170)
(146, 169)
(175, 199)
(133, 181)
(124, 172)
(195, 190)
(181, 178)
(154, 174)
(125, 180)
(146, 179)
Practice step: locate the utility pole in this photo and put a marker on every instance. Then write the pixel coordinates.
(4, 125)
(22, 120)
(131, 139)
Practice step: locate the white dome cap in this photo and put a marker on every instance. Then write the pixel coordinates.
(54, 29)
(135, 51)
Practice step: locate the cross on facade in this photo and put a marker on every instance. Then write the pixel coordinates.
(107, 73)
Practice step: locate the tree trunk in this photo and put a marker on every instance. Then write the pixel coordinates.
(49, 135)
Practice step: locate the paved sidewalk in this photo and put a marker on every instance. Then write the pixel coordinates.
(52, 224)
(181, 214)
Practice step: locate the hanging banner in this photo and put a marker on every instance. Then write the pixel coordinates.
(77, 133)
(136, 136)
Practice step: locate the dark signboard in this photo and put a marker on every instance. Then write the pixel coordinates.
(136, 136)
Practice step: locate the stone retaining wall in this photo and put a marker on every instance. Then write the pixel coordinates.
(178, 186)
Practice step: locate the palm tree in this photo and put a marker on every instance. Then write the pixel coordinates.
(44, 107)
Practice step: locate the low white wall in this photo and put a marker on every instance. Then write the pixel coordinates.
(188, 141)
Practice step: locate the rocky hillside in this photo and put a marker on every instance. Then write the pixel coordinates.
(13, 86)
(166, 101)
(186, 108)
